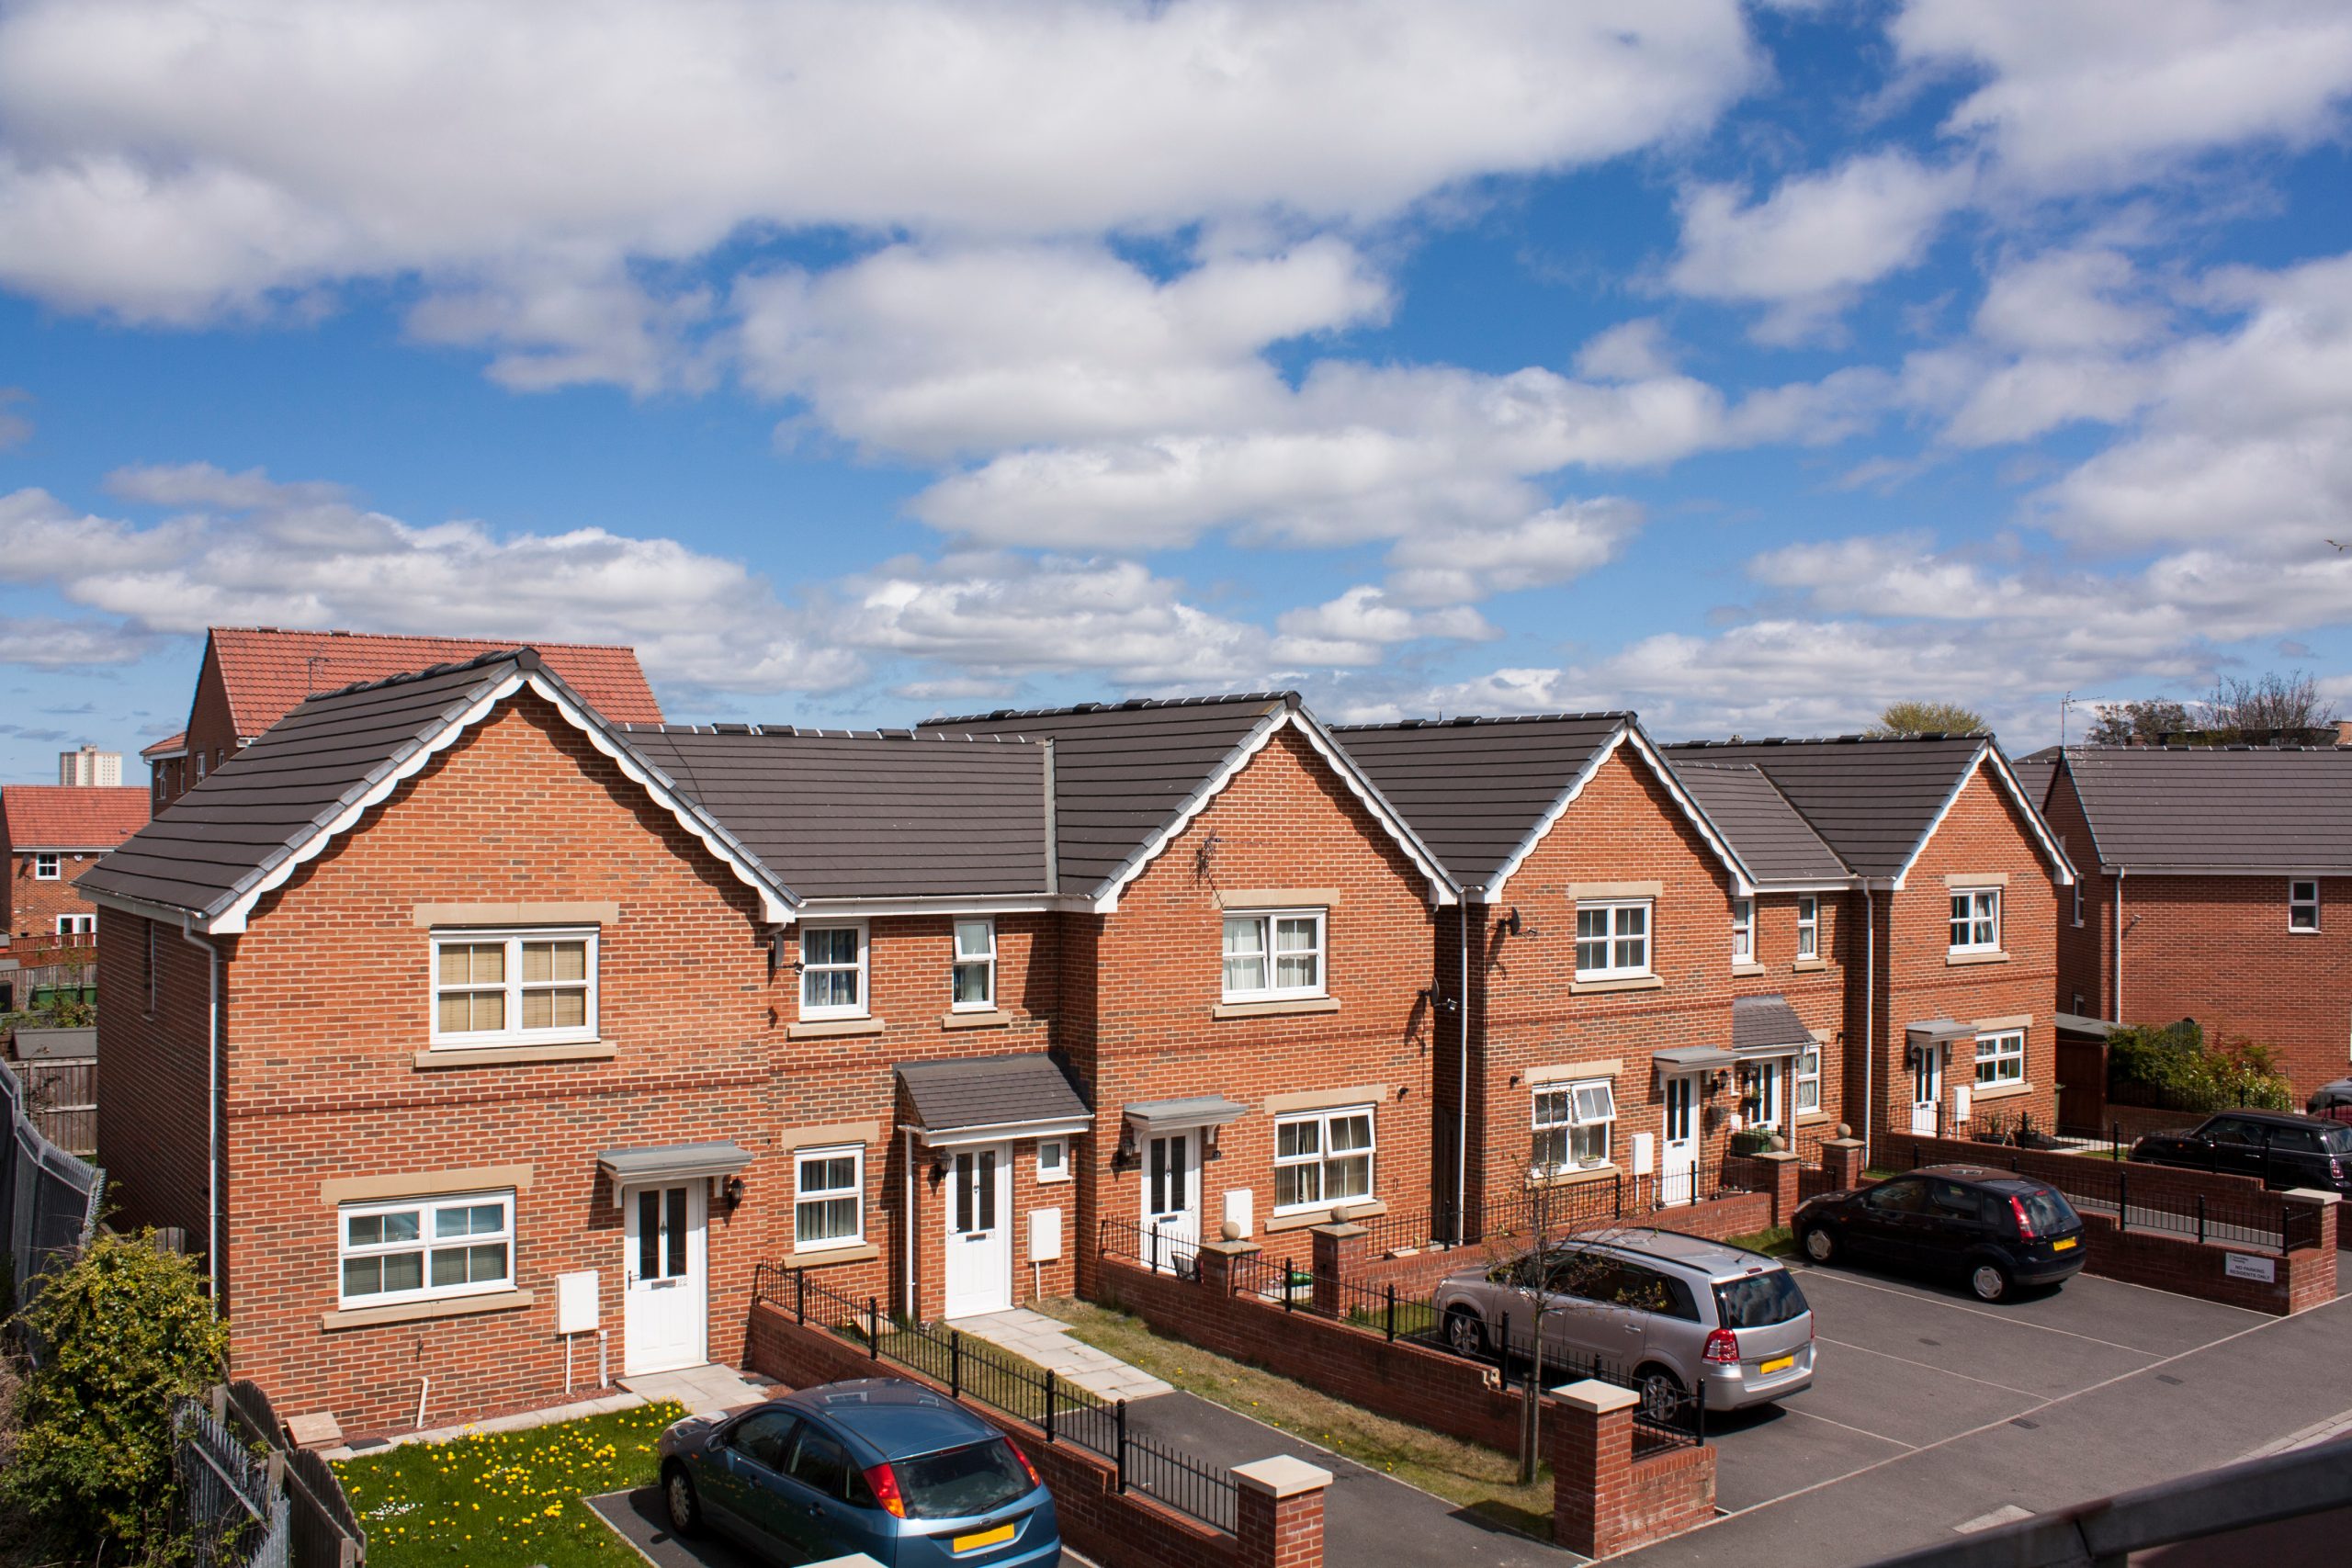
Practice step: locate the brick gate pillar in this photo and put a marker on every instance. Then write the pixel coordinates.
(1780, 1169)
(1340, 1252)
(1216, 1261)
(1278, 1514)
(1841, 1159)
(1588, 1438)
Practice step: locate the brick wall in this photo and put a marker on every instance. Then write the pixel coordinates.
(2083, 950)
(153, 1138)
(1604, 1500)
(35, 904)
(1416, 1272)
(211, 727)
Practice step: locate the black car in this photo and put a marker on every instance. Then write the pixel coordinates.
(1996, 1230)
(2284, 1149)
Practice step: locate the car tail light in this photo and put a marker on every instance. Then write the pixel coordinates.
(885, 1481)
(1034, 1479)
(1722, 1348)
(2025, 1225)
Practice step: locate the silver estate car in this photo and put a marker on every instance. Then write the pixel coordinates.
(1680, 1313)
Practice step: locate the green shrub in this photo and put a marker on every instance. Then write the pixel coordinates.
(2175, 1067)
(124, 1331)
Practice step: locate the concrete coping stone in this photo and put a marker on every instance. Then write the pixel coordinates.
(1841, 1143)
(1282, 1476)
(1601, 1398)
(1230, 1249)
(1342, 1230)
(1776, 1156)
(2312, 1195)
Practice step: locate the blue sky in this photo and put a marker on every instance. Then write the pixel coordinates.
(1749, 365)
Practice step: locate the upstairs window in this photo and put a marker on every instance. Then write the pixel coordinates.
(1273, 954)
(1742, 930)
(1808, 926)
(2000, 1057)
(421, 1249)
(975, 979)
(1323, 1157)
(535, 988)
(48, 865)
(1976, 919)
(1572, 1125)
(832, 972)
(1612, 940)
(1809, 1080)
(2302, 905)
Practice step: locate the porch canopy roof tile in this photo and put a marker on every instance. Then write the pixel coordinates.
(1692, 1058)
(1767, 1026)
(672, 1162)
(1025, 1088)
(1938, 1029)
(1198, 1110)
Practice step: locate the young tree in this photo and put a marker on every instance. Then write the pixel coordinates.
(1928, 719)
(2267, 701)
(2143, 723)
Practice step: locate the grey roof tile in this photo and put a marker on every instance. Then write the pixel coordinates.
(2217, 809)
(1766, 1023)
(1871, 799)
(1771, 836)
(991, 1091)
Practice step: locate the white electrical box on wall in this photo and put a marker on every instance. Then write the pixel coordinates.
(1241, 1212)
(1642, 1154)
(1959, 1098)
(576, 1303)
(1045, 1236)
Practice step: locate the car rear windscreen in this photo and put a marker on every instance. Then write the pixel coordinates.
(2048, 1212)
(1760, 1301)
(955, 1482)
(2336, 1140)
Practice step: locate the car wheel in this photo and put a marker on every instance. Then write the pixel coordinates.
(678, 1497)
(1464, 1333)
(1662, 1392)
(1989, 1281)
(1820, 1244)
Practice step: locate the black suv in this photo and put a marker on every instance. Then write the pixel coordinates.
(1995, 1229)
(2284, 1149)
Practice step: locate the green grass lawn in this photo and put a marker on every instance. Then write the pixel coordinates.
(505, 1499)
(1475, 1478)
(1776, 1242)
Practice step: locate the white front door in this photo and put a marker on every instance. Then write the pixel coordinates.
(666, 1309)
(1677, 1163)
(979, 1232)
(1926, 1087)
(1770, 1084)
(1172, 1201)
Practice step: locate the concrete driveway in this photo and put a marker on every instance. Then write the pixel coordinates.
(1932, 1412)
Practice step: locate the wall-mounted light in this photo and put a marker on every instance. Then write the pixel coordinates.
(1208, 1140)
(941, 1162)
(730, 1192)
(1511, 924)
(1125, 1157)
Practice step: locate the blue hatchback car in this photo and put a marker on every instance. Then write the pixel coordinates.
(876, 1465)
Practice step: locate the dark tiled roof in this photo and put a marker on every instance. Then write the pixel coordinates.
(1124, 771)
(991, 1091)
(1761, 1023)
(1475, 788)
(870, 814)
(70, 816)
(2035, 771)
(1770, 835)
(267, 669)
(2195, 808)
(1872, 800)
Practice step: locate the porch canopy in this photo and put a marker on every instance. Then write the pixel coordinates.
(1939, 1031)
(1690, 1059)
(986, 1099)
(1767, 1026)
(671, 1162)
(1176, 1115)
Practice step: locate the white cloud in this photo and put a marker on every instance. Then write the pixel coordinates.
(1360, 624)
(2109, 92)
(1630, 351)
(1455, 565)
(552, 328)
(2086, 299)
(167, 160)
(15, 428)
(48, 642)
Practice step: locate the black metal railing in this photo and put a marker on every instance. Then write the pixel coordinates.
(1150, 1246)
(972, 1370)
(1670, 1416)
(2109, 1189)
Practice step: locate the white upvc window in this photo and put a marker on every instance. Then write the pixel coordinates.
(975, 979)
(1572, 1124)
(416, 1249)
(513, 987)
(827, 1198)
(1808, 926)
(2078, 900)
(1273, 954)
(2000, 1056)
(1053, 1159)
(832, 971)
(1742, 930)
(2303, 904)
(1612, 939)
(1976, 919)
(48, 865)
(77, 925)
(1809, 1079)
(1322, 1158)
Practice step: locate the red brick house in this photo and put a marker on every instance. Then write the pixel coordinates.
(2217, 885)
(253, 676)
(527, 1035)
(50, 834)
(1950, 941)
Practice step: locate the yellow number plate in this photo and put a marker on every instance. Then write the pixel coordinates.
(1782, 1365)
(986, 1538)
(2062, 1244)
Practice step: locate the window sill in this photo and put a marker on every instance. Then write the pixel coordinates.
(1809, 965)
(1276, 1009)
(418, 1312)
(1304, 1219)
(1741, 970)
(511, 1056)
(1575, 1177)
(1808, 1117)
(1978, 1093)
(822, 1257)
(1627, 983)
(1957, 959)
(992, 1017)
(831, 1028)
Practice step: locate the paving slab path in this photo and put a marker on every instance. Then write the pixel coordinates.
(1034, 1336)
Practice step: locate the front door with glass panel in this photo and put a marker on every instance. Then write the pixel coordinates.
(980, 1231)
(1926, 1087)
(1771, 1083)
(1172, 1200)
(666, 1307)
(1678, 1166)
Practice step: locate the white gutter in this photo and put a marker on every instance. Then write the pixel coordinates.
(211, 1109)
